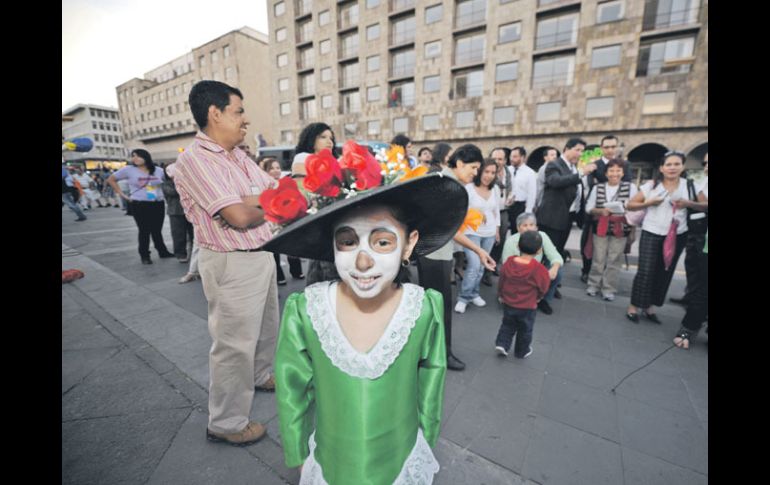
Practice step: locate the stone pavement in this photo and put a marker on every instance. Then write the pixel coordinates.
(135, 379)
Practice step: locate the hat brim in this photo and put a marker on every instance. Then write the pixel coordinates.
(434, 204)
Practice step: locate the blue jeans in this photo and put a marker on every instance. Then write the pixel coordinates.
(554, 283)
(475, 270)
(66, 197)
(518, 322)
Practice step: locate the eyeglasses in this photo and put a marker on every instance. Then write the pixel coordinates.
(704, 163)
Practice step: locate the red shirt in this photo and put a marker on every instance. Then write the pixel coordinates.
(523, 285)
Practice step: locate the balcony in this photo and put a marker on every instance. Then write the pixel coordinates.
(348, 18)
(304, 7)
(399, 5)
(401, 37)
(656, 18)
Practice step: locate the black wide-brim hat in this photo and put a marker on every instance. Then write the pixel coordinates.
(434, 204)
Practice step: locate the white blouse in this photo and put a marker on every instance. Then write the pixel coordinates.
(659, 217)
(489, 207)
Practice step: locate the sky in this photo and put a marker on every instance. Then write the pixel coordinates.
(108, 42)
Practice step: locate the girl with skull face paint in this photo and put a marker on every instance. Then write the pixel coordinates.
(361, 360)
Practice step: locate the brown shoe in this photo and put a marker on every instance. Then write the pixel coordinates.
(268, 386)
(252, 433)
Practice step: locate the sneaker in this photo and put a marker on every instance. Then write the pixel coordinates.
(268, 386)
(252, 433)
(282, 282)
(529, 352)
(188, 278)
(501, 351)
(608, 296)
(460, 307)
(167, 254)
(479, 301)
(590, 291)
(544, 307)
(146, 260)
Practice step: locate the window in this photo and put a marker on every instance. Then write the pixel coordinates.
(283, 60)
(509, 33)
(402, 30)
(279, 9)
(402, 63)
(373, 93)
(324, 18)
(280, 34)
(304, 6)
(468, 84)
(349, 45)
(306, 57)
(599, 107)
(660, 14)
(326, 46)
(373, 128)
(433, 14)
(349, 15)
(503, 116)
(609, 11)
(202, 60)
(307, 109)
(225, 53)
(351, 102)
(470, 12)
(283, 84)
(349, 130)
(229, 73)
(506, 72)
(305, 31)
(401, 4)
(214, 57)
(326, 101)
(431, 84)
(287, 136)
(557, 31)
(373, 63)
(464, 119)
(605, 56)
(659, 103)
(285, 108)
(307, 84)
(660, 57)
(372, 3)
(326, 74)
(373, 32)
(401, 94)
(548, 112)
(469, 49)
(430, 122)
(432, 49)
(349, 75)
(400, 125)
(553, 71)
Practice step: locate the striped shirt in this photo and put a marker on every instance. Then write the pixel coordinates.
(208, 179)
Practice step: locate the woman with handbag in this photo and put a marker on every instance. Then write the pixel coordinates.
(145, 200)
(663, 238)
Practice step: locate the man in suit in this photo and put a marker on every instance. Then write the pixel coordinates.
(563, 193)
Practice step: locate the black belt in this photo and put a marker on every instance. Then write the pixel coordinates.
(248, 250)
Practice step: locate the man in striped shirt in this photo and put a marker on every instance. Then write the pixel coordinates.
(219, 188)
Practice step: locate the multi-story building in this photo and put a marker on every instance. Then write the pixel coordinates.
(102, 125)
(156, 110)
(496, 72)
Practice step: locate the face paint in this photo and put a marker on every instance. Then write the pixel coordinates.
(368, 245)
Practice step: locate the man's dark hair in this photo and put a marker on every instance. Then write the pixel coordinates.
(419, 154)
(306, 142)
(401, 140)
(530, 243)
(505, 150)
(206, 93)
(608, 137)
(145, 155)
(575, 141)
(477, 179)
(521, 151)
(468, 153)
(547, 149)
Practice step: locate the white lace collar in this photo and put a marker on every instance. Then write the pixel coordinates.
(337, 347)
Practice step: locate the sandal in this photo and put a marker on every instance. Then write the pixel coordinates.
(684, 336)
(634, 317)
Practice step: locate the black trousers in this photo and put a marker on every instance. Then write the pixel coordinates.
(497, 249)
(692, 262)
(588, 226)
(295, 266)
(149, 219)
(435, 274)
(558, 237)
(698, 301)
(513, 212)
(652, 279)
(181, 233)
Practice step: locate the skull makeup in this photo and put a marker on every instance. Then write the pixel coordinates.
(368, 249)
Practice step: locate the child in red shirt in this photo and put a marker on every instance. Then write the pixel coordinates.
(523, 282)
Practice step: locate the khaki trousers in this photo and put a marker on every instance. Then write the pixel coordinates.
(243, 322)
(606, 263)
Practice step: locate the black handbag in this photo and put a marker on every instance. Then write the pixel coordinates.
(697, 221)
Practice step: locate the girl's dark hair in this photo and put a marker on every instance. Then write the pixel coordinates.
(419, 154)
(267, 162)
(440, 151)
(401, 140)
(468, 153)
(145, 155)
(477, 179)
(306, 143)
(616, 162)
(658, 175)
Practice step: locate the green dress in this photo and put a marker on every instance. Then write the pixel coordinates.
(354, 418)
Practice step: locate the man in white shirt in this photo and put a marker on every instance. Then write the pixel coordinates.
(524, 185)
(504, 182)
(549, 155)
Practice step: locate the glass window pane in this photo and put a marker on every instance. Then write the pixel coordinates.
(432, 49)
(657, 103)
(464, 119)
(434, 13)
(548, 112)
(431, 84)
(503, 116)
(430, 122)
(507, 72)
(600, 107)
(400, 125)
(509, 33)
(605, 56)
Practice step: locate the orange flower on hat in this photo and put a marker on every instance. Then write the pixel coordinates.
(473, 220)
(414, 173)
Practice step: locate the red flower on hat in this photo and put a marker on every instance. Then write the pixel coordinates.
(324, 175)
(362, 164)
(285, 203)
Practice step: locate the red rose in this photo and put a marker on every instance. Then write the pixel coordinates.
(324, 175)
(364, 166)
(285, 203)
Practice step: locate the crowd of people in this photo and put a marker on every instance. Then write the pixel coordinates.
(211, 195)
